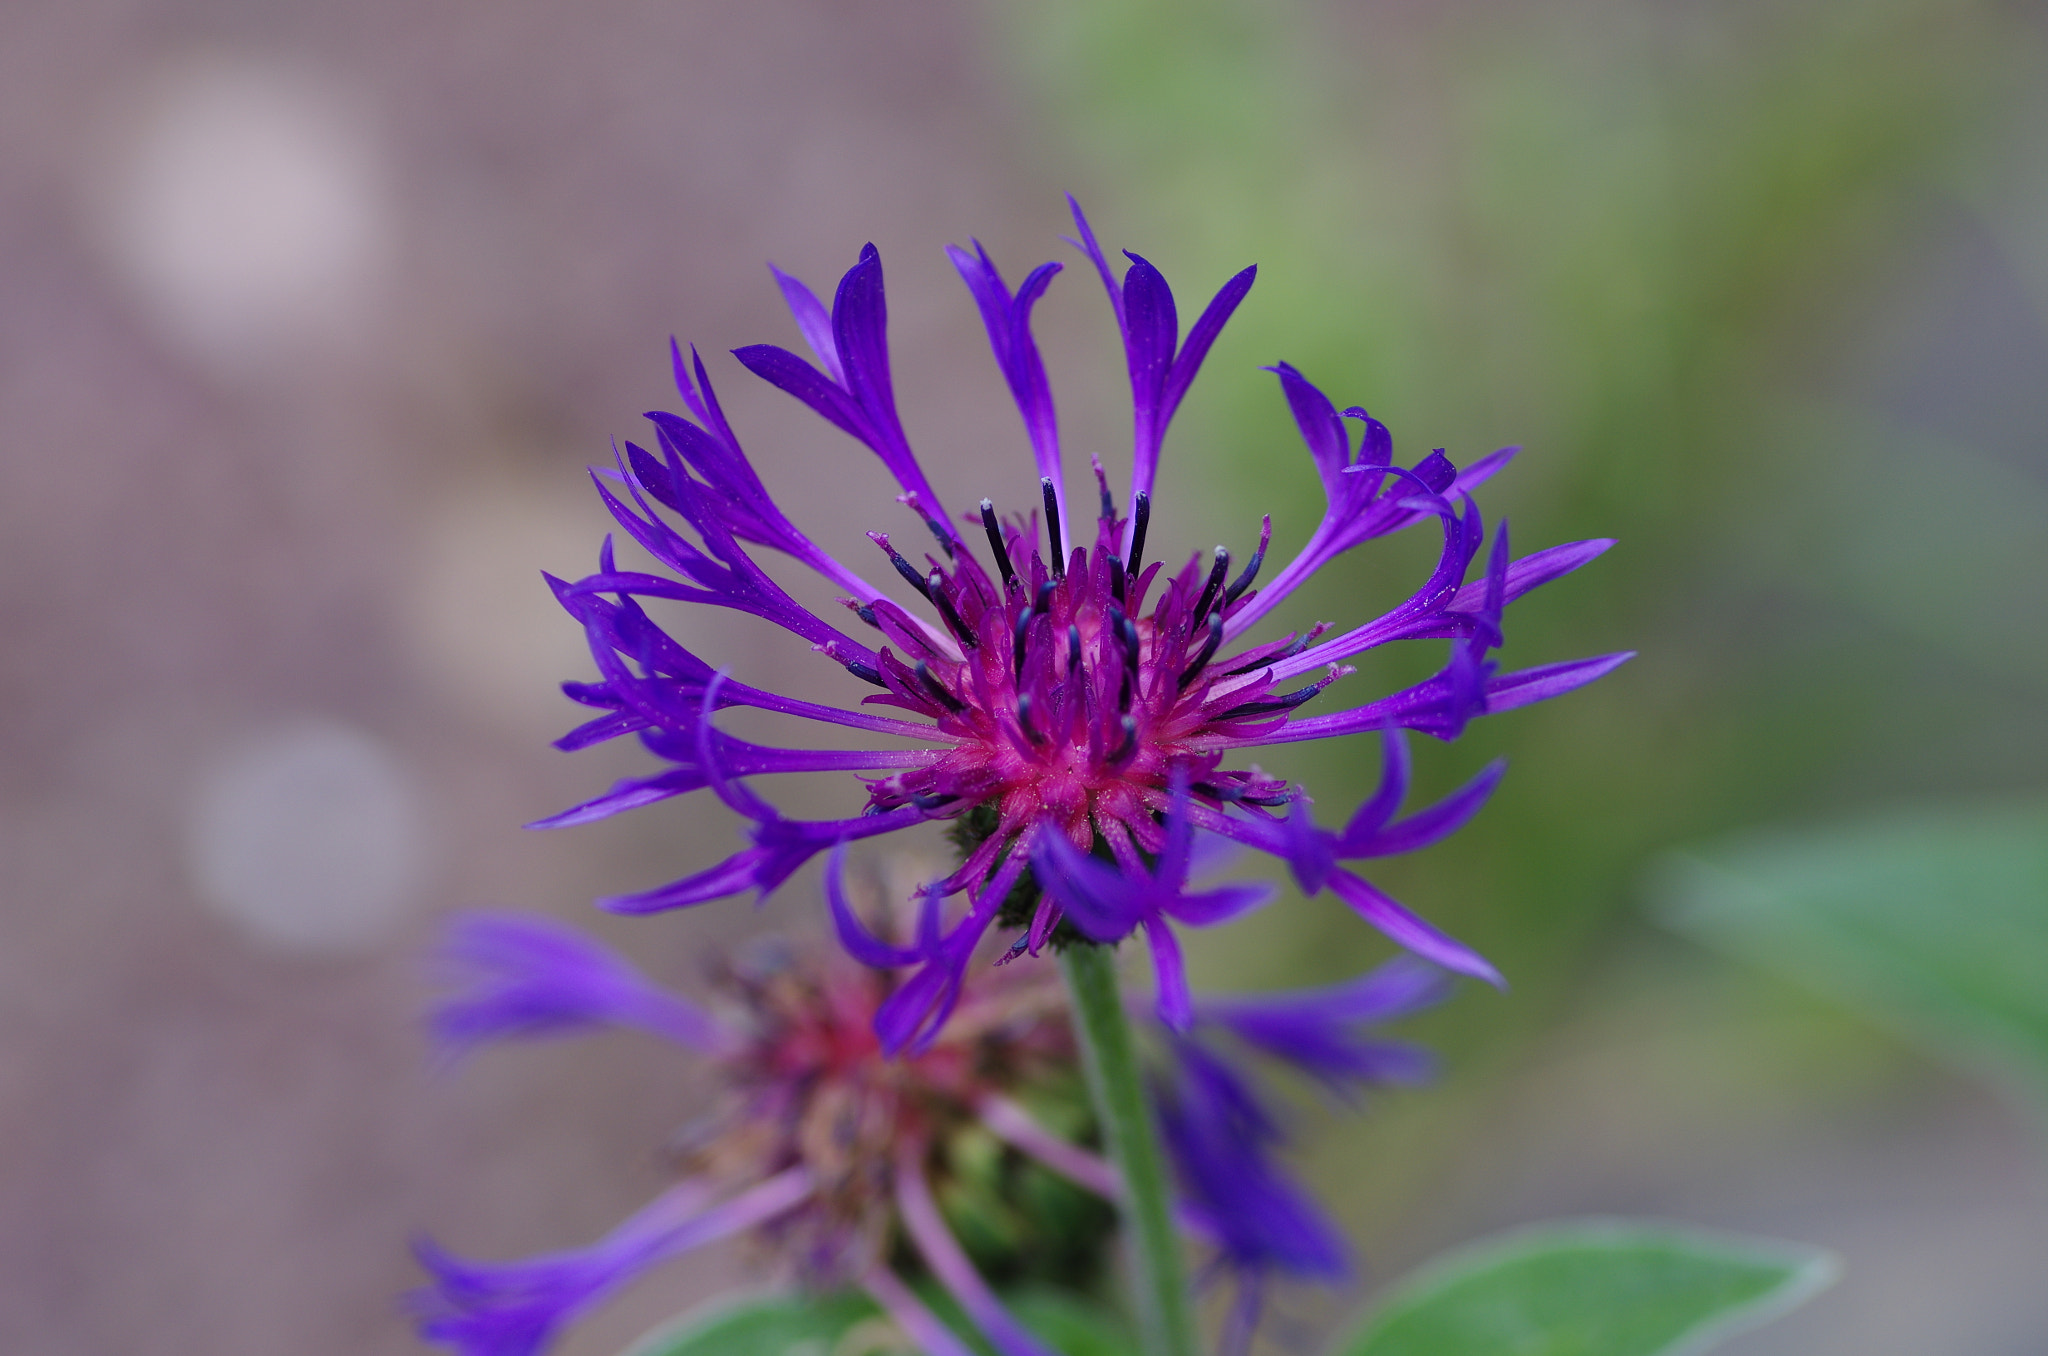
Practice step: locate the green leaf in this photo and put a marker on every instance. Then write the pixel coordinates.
(1935, 923)
(1591, 1288)
(849, 1324)
(771, 1325)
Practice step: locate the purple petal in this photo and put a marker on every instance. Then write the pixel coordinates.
(1320, 427)
(629, 794)
(1409, 931)
(949, 1262)
(1172, 976)
(812, 321)
(1207, 327)
(784, 370)
(1221, 904)
(861, 944)
(1420, 707)
(514, 1308)
(1526, 686)
(1424, 827)
(528, 977)
(1102, 902)
(1370, 817)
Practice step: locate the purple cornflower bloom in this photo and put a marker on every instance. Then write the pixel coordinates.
(817, 1144)
(1065, 685)
(1221, 1134)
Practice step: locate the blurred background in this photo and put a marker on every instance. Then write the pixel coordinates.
(311, 316)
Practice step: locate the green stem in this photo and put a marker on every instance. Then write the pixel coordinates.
(1110, 1058)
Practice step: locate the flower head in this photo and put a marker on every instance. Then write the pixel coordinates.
(1074, 694)
(816, 1145)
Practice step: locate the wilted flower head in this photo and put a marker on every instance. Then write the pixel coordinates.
(1074, 694)
(835, 1159)
(815, 1145)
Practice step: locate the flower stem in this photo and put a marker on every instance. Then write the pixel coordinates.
(1110, 1059)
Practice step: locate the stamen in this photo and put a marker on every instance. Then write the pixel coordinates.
(1127, 631)
(1127, 748)
(1102, 486)
(1057, 559)
(1216, 573)
(1215, 639)
(1024, 719)
(995, 542)
(867, 673)
(867, 614)
(1043, 602)
(1141, 517)
(1116, 578)
(1023, 634)
(938, 689)
(1293, 648)
(903, 567)
(935, 589)
(930, 803)
(1285, 702)
(1251, 569)
(938, 529)
(1073, 653)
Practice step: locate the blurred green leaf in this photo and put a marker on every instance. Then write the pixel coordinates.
(771, 1325)
(1592, 1288)
(1074, 1327)
(1936, 923)
(796, 1325)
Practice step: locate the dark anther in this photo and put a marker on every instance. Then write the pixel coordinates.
(1127, 747)
(1208, 652)
(1127, 631)
(1116, 578)
(1285, 702)
(1043, 602)
(1209, 591)
(1073, 653)
(1023, 635)
(930, 803)
(935, 589)
(865, 672)
(1108, 504)
(1058, 558)
(995, 542)
(907, 570)
(938, 689)
(1123, 695)
(1141, 517)
(1024, 719)
(867, 614)
(1294, 647)
(1251, 568)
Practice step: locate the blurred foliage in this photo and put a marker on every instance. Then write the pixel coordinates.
(1593, 1288)
(847, 1323)
(1668, 248)
(1934, 922)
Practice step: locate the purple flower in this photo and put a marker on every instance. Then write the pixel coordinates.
(818, 1144)
(1222, 1136)
(1070, 694)
(1108, 900)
